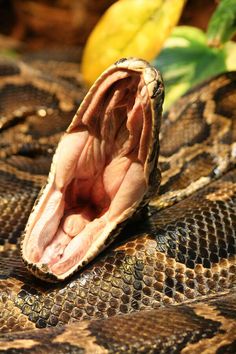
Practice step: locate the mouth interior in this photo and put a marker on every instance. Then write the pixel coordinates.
(98, 175)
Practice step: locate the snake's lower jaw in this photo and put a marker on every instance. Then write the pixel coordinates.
(101, 172)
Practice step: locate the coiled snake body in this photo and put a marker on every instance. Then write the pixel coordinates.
(179, 251)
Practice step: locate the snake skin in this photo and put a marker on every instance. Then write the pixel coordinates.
(180, 251)
(194, 329)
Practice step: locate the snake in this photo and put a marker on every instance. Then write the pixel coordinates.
(162, 280)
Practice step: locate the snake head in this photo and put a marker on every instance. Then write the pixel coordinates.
(102, 173)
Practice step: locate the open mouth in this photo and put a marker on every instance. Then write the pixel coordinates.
(99, 175)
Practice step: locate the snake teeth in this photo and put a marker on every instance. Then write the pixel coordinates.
(101, 172)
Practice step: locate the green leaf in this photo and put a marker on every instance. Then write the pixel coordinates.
(186, 60)
(222, 24)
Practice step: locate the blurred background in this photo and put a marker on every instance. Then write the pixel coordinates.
(46, 23)
(188, 41)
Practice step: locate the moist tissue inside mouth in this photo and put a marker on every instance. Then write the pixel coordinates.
(98, 174)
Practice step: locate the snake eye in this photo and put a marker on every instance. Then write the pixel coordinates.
(122, 60)
(157, 90)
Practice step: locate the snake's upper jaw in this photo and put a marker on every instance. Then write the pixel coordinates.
(102, 172)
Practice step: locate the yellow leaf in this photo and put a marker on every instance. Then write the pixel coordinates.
(129, 28)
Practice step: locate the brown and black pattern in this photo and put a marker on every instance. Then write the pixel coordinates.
(182, 255)
(35, 108)
(194, 328)
(197, 140)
